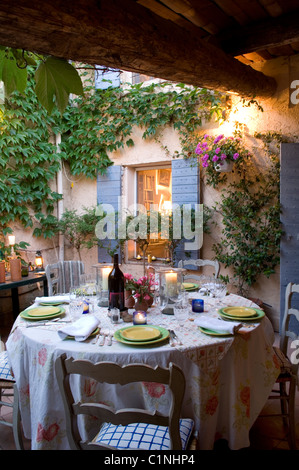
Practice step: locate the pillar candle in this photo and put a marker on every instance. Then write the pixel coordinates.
(15, 269)
(105, 274)
(171, 283)
(2, 271)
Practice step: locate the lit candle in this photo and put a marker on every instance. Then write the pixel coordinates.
(11, 239)
(105, 275)
(139, 318)
(171, 283)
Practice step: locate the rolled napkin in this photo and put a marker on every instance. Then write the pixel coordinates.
(54, 298)
(229, 327)
(81, 329)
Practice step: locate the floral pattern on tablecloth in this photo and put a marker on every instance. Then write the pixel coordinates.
(222, 396)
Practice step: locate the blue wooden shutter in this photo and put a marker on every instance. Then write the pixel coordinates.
(104, 79)
(108, 192)
(185, 190)
(289, 246)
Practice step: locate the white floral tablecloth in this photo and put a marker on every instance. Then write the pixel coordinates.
(228, 379)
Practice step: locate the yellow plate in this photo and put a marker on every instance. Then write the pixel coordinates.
(239, 312)
(154, 342)
(48, 316)
(140, 333)
(42, 311)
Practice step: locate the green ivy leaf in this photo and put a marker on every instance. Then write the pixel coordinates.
(13, 77)
(55, 80)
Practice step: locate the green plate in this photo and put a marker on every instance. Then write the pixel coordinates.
(26, 316)
(93, 333)
(54, 304)
(189, 286)
(164, 334)
(206, 331)
(259, 316)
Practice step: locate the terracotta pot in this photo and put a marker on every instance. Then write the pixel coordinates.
(129, 300)
(2, 271)
(141, 305)
(150, 301)
(15, 269)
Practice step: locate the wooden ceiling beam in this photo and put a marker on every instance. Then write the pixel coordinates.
(127, 36)
(261, 35)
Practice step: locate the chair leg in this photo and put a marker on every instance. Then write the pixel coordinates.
(17, 421)
(284, 404)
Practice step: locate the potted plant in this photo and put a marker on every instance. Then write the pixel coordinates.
(141, 289)
(219, 154)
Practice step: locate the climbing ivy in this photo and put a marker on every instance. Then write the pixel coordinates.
(92, 127)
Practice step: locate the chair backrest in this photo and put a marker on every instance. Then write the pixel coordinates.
(112, 373)
(62, 275)
(290, 313)
(198, 263)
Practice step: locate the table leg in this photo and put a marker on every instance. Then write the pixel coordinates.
(15, 302)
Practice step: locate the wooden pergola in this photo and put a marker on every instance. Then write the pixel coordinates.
(208, 43)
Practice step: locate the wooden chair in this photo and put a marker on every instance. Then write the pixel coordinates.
(198, 263)
(8, 389)
(139, 428)
(62, 275)
(288, 378)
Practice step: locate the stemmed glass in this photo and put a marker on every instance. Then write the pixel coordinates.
(88, 287)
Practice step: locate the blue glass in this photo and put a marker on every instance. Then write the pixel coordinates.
(197, 305)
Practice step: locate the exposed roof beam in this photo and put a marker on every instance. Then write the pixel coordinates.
(127, 36)
(262, 35)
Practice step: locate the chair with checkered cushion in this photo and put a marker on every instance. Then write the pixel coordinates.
(8, 389)
(134, 428)
(288, 376)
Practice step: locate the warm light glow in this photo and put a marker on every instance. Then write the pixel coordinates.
(11, 240)
(167, 207)
(105, 274)
(39, 260)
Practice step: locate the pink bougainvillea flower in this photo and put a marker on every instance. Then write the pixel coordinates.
(235, 156)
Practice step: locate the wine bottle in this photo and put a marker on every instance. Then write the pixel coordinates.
(116, 287)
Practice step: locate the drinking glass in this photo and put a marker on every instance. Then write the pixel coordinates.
(180, 313)
(76, 308)
(88, 287)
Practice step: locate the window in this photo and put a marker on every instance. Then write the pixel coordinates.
(154, 188)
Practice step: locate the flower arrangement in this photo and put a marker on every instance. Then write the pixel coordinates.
(142, 288)
(214, 151)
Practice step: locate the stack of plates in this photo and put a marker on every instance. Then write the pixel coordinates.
(189, 286)
(241, 313)
(42, 313)
(141, 335)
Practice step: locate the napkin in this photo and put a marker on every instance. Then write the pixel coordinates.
(81, 329)
(220, 326)
(54, 298)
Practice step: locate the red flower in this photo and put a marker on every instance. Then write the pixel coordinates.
(90, 387)
(154, 390)
(211, 405)
(42, 356)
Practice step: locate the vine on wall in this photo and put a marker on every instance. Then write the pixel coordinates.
(92, 126)
(249, 210)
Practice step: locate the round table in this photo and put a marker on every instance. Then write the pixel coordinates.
(228, 378)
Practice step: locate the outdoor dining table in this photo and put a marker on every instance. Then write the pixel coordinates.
(228, 378)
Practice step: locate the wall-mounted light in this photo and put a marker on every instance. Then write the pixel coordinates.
(11, 242)
(39, 262)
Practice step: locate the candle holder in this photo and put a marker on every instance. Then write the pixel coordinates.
(170, 287)
(102, 272)
(139, 317)
(197, 305)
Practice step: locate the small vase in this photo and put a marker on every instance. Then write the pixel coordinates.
(129, 300)
(150, 301)
(141, 305)
(224, 166)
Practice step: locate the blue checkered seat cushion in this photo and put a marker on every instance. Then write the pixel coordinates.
(5, 371)
(142, 435)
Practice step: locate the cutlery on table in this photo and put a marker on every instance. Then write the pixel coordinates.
(175, 337)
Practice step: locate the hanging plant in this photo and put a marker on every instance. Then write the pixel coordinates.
(219, 155)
